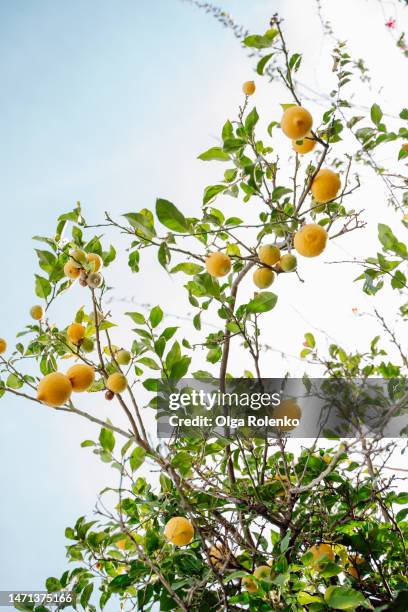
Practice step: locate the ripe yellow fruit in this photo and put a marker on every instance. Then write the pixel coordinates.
(95, 261)
(326, 185)
(296, 122)
(405, 147)
(3, 346)
(77, 257)
(249, 88)
(262, 572)
(71, 270)
(321, 554)
(283, 481)
(75, 333)
(249, 584)
(304, 145)
(288, 263)
(269, 254)
(121, 544)
(179, 531)
(54, 389)
(311, 240)
(219, 556)
(117, 383)
(37, 312)
(263, 277)
(353, 562)
(290, 409)
(218, 264)
(81, 377)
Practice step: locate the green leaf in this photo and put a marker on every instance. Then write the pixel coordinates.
(344, 598)
(156, 316)
(376, 114)
(52, 585)
(183, 461)
(86, 595)
(188, 268)
(171, 217)
(304, 598)
(133, 261)
(251, 120)
(390, 242)
(227, 130)
(86, 443)
(262, 63)
(404, 114)
(14, 382)
(399, 280)
(137, 458)
(173, 355)
(262, 302)
(212, 191)
(234, 144)
(310, 340)
(295, 61)
(214, 354)
(137, 317)
(215, 153)
(180, 368)
(164, 255)
(149, 362)
(107, 439)
(142, 223)
(257, 41)
(42, 287)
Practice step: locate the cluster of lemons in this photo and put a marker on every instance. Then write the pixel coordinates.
(85, 267)
(311, 239)
(56, 388)
(180, 532)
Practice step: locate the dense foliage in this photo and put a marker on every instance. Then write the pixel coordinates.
(251, 503)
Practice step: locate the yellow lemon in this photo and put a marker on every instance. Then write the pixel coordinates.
(75, 333)
(249, 88)
(95, 261)
(290, 409)
(81, 377)
(269, 254)
(263, 277)
(218, 264)
(296, 122)
(321, 554)
(311, 240)
(179, 531)
(304, 145)
(71, 270)
(54, 389)
(117, 383)
(37, 312)
(326, 185)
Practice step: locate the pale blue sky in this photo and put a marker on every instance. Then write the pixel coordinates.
(96, 98)
(110, 103)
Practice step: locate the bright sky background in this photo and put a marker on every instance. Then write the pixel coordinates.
(110, 104)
